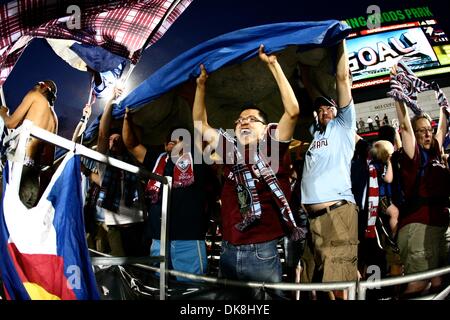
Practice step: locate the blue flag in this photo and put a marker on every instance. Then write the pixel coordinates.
(227, 50)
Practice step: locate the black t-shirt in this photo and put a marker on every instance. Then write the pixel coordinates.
(187, 220)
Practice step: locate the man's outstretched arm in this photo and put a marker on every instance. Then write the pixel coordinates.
(105, 122)
(343, 85)
(130, 139)
(199, 114)
(288, 120)
(12, 121)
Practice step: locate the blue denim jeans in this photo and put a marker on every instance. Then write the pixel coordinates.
(251, 262)
(185, 255)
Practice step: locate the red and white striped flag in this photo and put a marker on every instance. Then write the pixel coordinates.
(121, 27)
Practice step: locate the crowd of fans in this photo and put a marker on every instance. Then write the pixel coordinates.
(342, 206)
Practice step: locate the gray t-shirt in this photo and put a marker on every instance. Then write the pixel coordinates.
(326, 173)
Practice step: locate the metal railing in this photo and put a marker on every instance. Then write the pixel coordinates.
(350, 287)
(16, 154)
(355, 289)
(363, 286)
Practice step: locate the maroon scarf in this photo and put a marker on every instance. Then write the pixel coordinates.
(183, 174)
(247, 195)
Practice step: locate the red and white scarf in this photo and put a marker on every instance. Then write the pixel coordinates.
(183, 174)
(373, 198)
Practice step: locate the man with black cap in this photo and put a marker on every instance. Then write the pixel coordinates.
(326, 186)
(36, 106)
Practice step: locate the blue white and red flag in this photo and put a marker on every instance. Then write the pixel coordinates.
(43, 250)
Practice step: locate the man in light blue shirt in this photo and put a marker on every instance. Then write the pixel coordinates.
(326, 186)
(332, 148)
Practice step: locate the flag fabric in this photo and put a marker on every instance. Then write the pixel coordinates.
(107, 82)
(63, 49)
(83, 56)
(43, 250)
(121, 27)
(107, 68)
(233, 48)
(229, 50)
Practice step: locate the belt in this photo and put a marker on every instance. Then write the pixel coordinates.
(321, 212)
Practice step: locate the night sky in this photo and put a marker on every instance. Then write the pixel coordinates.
(202, 20)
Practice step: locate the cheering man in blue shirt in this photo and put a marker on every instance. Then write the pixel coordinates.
(326, 185)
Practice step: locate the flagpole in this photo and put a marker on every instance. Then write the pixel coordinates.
(155, 30)
(90, 91)
(130, 70)
(150, 37)
(81, 127)
(2, 95)
(2, 123)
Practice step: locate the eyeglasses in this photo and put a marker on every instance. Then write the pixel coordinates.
(249, 119)
(425, 130)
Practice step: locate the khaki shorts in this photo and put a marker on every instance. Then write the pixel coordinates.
(335, 243)
(392, 258)
(422, 247)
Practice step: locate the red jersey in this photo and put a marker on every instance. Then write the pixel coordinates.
(434, 182)
(270, 225)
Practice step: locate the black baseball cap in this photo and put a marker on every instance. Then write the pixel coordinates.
(323, 101)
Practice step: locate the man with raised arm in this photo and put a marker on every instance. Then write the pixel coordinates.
(120, 199)
(187, 221)
(255, 213)
(326, 186)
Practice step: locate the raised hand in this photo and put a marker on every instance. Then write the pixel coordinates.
(271, 59)
(87, 110)
(117, 92)
(4, 109)
(394, 70)
(201, 79)
(127, 113)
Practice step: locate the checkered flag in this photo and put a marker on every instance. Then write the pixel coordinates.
(124, 28)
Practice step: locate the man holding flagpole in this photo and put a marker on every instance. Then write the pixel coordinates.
(36, 106)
